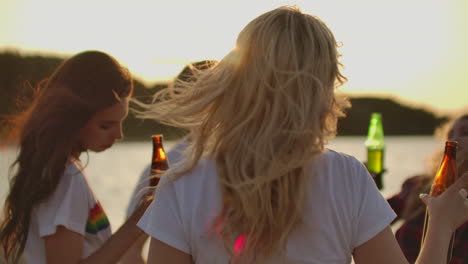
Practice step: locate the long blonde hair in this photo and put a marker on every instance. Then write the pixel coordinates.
(262, 112)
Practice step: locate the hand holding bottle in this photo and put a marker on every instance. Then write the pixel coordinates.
(462, 163)
(445, 177)
(449, 210)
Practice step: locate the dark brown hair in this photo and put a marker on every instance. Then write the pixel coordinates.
(47, 133)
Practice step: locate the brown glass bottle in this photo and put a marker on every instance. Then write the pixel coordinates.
(159, 162)
(446, 175)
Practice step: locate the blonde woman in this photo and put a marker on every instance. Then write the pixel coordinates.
(257, 184)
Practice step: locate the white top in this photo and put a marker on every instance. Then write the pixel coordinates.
(74, 206)
(174, 155)
(344, 209)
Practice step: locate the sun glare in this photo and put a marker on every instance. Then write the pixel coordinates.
(409, 49)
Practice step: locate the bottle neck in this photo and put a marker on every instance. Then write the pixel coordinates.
(159, 155)
(157, 141)
(375, 135)
(451, 149)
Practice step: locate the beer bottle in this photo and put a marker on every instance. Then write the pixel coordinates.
(159, 161)
(446, 175)
(375, 149)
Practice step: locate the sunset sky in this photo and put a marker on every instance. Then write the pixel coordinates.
(414, 50)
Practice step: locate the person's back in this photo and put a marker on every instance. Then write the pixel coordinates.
(259, 117)
(336, 219)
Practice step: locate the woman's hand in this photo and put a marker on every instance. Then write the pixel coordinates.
(450, 209)
(140, 209)
(462, 164)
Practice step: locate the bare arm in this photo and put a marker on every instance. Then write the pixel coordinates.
(383, 248)
(447, 212)
(160, 252)
(66, 246)
(134, 255)
(436, 244)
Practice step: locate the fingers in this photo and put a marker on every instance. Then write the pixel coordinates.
(424, 197)
(460, 187)
(462, 164)
(463, 192)
(462, 182)
(451, 207)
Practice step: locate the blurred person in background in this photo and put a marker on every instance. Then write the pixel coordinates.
(411, 209)
(174, 156)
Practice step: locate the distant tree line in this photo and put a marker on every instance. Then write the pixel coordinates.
(18, 73)
(398, 119)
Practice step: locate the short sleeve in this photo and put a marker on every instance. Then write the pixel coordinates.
(163, 218)
(68, 206)
(373, 212)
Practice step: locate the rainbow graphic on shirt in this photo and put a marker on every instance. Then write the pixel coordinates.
(97, 219)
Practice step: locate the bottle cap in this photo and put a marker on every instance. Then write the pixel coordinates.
(157, 137)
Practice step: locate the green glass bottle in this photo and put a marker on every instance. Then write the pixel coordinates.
(375, 149)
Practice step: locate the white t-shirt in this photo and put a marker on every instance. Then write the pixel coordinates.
(174, 155)
(344, 209)
(74, 206)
